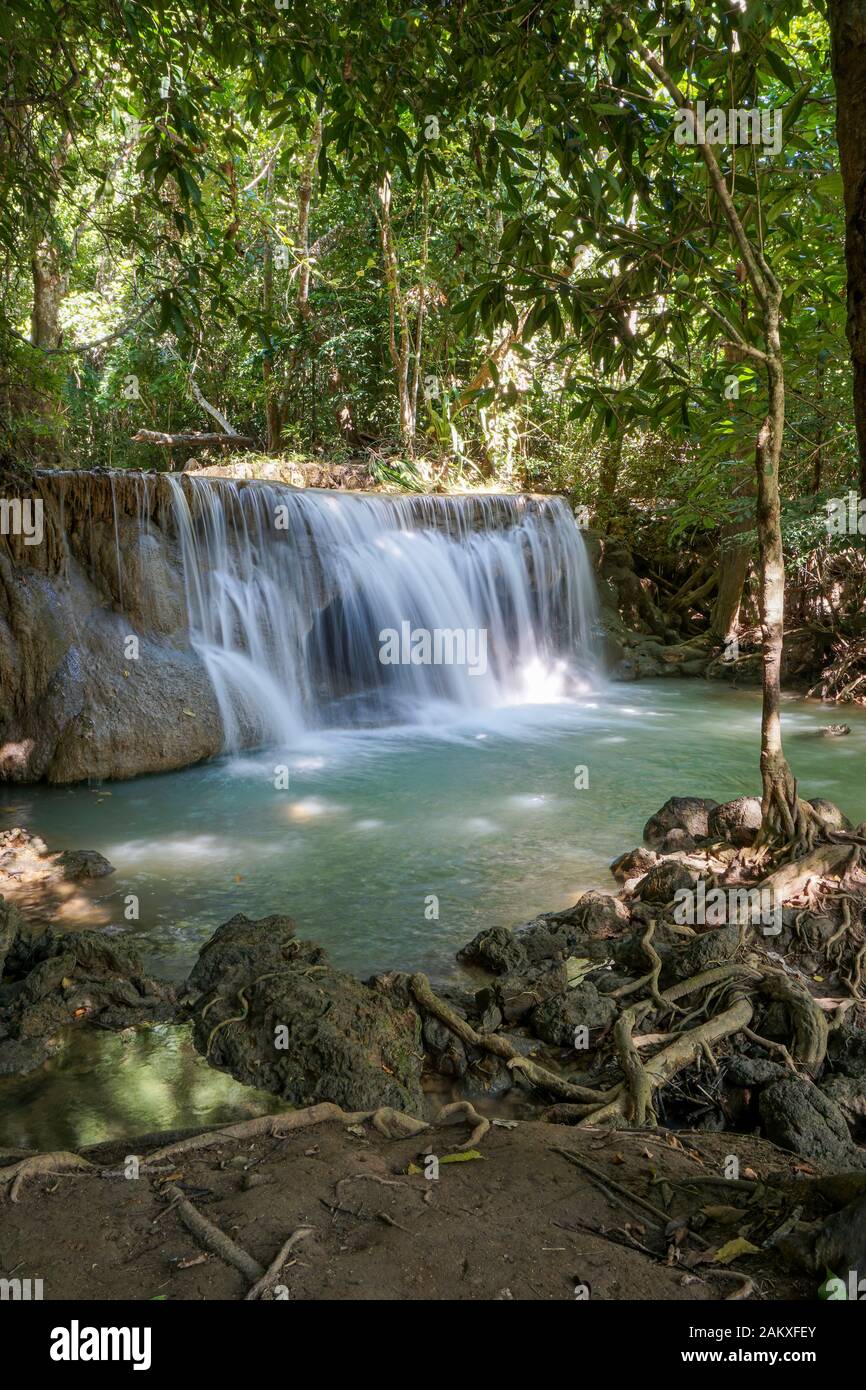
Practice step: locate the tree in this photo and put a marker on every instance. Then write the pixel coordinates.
(847, 19)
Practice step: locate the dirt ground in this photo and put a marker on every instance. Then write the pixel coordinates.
(521, 1222)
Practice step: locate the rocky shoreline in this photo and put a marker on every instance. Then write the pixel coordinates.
(616, 1017)
(558, 1011)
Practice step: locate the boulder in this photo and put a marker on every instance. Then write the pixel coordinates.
(275, 1012)
(555, 1019)
(53, 980)
(665, 880)
(736, 821)
(829, 814)
(495, 949)
(754, 1072)
(799, 1117)
(517, 995)
(633, 864)
(714, 947)
(594, 914)
(849, 1093)
(689, 813)
(677, 842)
(79, 864)
(37, 876)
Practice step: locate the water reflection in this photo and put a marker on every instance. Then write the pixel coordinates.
(113, 1086)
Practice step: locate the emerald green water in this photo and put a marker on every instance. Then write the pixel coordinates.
(483, 816)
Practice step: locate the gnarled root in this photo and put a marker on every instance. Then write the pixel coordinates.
(44, 1164)
(211, 1237)
(640, 1103)
(500, 1047)
(810, 1027)
(677, 1054)
(465, 1110)
(387, 1122)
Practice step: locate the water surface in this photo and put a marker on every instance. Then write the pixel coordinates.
(393, 847)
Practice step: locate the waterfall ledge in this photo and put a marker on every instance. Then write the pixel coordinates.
(162, 619)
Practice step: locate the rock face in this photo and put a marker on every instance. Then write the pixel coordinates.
(73, 702)
(50, 981)
(275, 1013)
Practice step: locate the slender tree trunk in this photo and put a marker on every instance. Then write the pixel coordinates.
(399, 335)
(818, 465)
(733, 566)
(608, 475)
(847, 20)
(780, 790)
(273, 411)
(785, 817)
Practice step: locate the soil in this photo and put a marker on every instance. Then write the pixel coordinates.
(520, 1222)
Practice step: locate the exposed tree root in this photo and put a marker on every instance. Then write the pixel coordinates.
(667, 1063)
(499, 1046)
(465, 1110)
(210, 1236)
(278, 1126)
(779, 1049)
(262, 1287)
(791, 879)
(640, 1104)
(41, 1165)
(809, 1022)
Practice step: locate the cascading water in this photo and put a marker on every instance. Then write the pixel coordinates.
(292, 595)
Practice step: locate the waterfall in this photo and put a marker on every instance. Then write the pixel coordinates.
(323, 609)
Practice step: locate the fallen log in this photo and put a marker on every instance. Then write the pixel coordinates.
(171, 441)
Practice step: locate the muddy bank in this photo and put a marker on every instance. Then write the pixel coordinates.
(647, 1219)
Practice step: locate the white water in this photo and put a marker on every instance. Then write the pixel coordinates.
(288, 593)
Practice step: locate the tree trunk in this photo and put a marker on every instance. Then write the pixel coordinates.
(49, 290)
(732, 571)
(733, 566)
(399, 343)
(273, 407)
(847, 20)
(785, 817)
